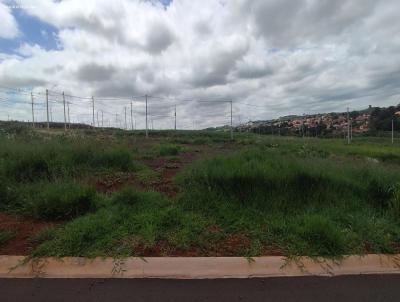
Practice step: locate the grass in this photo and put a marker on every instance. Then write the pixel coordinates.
(5, 236)
(304, 205)
(169, 149)
(126, 225)
(148, 176)
(316, 197)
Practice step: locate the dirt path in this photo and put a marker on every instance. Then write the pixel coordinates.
(166, 166)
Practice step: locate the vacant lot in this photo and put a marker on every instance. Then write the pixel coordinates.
(115, 193)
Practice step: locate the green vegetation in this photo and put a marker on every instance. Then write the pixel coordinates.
(148, 176)
(5, 236)
(304, 203)
(317, 197)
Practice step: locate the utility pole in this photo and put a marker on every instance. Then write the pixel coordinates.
(175, 118)
(47, 107)
(102, 118)
(65, 115)
(94, 125)
(131, 116)
(147, 130)
(126, 125)
(348, 126)
(392, 131)
(231, 122)
(33, 114)
(98, 121)
(116, 120)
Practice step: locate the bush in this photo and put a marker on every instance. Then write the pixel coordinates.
(61, 201)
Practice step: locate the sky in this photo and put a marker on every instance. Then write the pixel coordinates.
(271, 58)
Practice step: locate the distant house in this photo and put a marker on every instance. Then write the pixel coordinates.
(397, 113)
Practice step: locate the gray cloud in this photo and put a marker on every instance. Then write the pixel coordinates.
(95, 73)
(159, 38)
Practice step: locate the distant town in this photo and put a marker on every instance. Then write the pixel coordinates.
(372, 119)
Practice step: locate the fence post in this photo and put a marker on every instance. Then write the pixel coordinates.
(33, 114)
(94, 125)
(131, 116)
(231, 122)
(348, 126)
(47, 107)
(147, 130)
(69, 117)
(65, 116)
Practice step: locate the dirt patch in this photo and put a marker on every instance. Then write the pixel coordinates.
(113, 182)
(24, 229)
(170, 166)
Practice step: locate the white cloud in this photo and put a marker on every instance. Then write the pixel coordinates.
(290, 56)
(8, 28)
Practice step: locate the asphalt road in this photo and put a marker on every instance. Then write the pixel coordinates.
(308, 289)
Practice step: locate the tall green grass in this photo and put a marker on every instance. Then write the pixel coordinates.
(305, 205)
(127, 224)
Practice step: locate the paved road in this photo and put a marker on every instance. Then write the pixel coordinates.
(308, 289)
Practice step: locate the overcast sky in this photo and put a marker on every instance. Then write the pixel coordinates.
(271, 57)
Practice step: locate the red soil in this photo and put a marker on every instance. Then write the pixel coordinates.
(24, 228)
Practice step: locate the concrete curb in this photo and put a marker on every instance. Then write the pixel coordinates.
(195, 268)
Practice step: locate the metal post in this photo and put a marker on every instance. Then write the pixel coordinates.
(131, 116)
(147, 130)
(65, 115)
(47, 107)
(348, 126)
(69, 117)
(231, 122)
(126, 125)
(94, 125)
(175, 118)
(33, 114)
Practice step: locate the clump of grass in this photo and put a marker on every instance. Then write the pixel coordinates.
(320, 237)
(147, 176)
(62, 201)
(51, 201)
(123, 228)
(6, 235)
(29, 161)
(169, 149)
